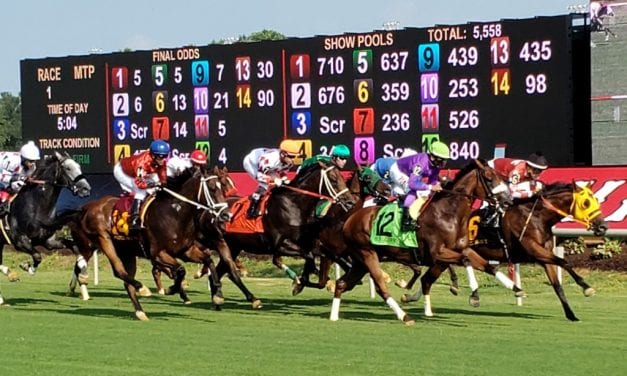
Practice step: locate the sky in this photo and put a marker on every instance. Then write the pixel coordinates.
(53, 28)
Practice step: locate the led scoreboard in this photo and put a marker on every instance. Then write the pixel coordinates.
(520, 84)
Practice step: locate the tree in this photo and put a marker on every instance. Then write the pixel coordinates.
(254, 37)
(10, 121)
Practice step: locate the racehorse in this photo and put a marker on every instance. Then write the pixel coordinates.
(526, 231)
(171, 228)
(442, 237)
(31, 220)
(368, 188)
(290, 222)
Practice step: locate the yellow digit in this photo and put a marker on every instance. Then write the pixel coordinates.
(362, 91)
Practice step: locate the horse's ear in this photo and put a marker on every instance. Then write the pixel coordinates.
(58, 155)
(216, 170)
(480, 163)
(360, 168)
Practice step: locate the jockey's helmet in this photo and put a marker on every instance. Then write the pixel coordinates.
(290, 148)
(199, 157)
(159, 148)
(440, 150)
(341, 151)
(30, 151)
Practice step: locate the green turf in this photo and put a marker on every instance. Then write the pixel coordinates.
(44, 332)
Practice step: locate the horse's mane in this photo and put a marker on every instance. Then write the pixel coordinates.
(45, 170)
(303, 174)
(176, 182)
(471, 166)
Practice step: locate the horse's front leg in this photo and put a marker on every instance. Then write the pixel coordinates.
(474, 260)
(24, 244)
(166, 262)
(346, 283)
(226, 258)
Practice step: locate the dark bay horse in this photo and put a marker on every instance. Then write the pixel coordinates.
(290, 222)
(442, 235)
(31, 220)
(526, 229)
(171, 227)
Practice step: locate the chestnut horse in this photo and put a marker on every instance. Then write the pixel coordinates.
(442, 235)
(170, 231)
(526, 232)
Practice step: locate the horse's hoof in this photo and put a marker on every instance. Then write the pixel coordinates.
(401, 283)
(330, 286)
(141, 315)
(187, 302)
(198, 275)
(474, 301)
(145, 292)
(408, 321)
(405, 298)
(217, 300)
(520, 294)
(257, 304)
(454, 290)
(589, 292)
(184, 284)
(161, 291)
(24, 266)
(297, 288)
(13, 276)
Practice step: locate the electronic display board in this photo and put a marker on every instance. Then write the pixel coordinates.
(511, 83)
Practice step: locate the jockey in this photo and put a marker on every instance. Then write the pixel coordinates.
(15, 171)
(522, 175)
(268, 166)
(140, 173)
(407, 175)
(339, 156)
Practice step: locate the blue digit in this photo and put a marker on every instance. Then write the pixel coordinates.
(200, 73)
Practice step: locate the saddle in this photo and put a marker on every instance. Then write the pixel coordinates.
(386, 228)
(240, 223)
(490, 232)
(121, 213)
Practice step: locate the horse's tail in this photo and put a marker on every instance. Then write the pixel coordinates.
(68, 216)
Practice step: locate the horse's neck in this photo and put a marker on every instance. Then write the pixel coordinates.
(43, 197)
(561, 201)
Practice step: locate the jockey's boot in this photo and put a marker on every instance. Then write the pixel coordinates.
(134, 221)
(407, 222)
(4, 208)
(253, 209)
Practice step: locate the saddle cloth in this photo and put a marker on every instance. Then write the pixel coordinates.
(239, 223)
(386, 228)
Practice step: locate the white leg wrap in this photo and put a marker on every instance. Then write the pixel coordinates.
(335, 310)
(84, 292)
(472, 280)
(400, 314)
(81, 263)
(31, 270)
(1, 300)
(4, 269)
(508, 283)
(428, 311)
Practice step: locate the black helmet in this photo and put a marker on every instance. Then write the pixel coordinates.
(537, 161)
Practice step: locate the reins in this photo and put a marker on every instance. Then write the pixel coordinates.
(557, 210)
(203, 190)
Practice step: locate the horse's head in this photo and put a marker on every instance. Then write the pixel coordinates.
(480, 180)
(68, 173)
(327, 180)
(210, 194)
(587, 209)
(227, 184)
(372, 184)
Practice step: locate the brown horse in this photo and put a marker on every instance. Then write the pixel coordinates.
(290, 223)
(364, 184)
(526, 232)
(170, 231)
(442, 237)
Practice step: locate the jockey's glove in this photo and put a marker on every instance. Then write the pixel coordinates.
(278, 182)
(17, 185)
(152, 184)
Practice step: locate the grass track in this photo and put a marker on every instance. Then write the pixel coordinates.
(44, 332)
